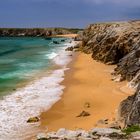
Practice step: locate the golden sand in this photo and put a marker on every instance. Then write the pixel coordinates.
(88, 82)
(67, 35)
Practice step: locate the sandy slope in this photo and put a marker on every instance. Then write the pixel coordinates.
(67, 35)
(87, 82)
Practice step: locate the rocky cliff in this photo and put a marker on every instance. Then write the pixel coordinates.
(118, 43)
(36, 31)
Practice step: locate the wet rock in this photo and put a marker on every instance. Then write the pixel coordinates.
(63, 40)
(84, 114)
(69, 49)
(56, 42)
(33, 120)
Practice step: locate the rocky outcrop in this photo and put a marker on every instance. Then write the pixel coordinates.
(35, 31)
(93, 134)
(130, 109)
(118, 43)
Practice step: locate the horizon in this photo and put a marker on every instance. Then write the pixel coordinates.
(68, 27)
(65, 14)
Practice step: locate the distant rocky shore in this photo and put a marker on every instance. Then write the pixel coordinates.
(36, 32)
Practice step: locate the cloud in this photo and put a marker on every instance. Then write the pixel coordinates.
(98, 2)
(118, 2)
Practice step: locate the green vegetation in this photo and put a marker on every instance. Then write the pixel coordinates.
(131, 129)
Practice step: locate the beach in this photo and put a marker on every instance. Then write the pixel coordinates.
(43, 67)
(87, 83)
(67, 35)
(76, 92)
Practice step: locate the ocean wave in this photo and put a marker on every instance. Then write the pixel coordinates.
(51, 55)
(30, 101)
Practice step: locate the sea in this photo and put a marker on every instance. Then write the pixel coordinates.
(31, 72)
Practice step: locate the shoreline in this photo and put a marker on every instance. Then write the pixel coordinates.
(82, 88)
(34, 97)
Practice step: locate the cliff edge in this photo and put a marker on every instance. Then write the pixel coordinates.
(118, 43)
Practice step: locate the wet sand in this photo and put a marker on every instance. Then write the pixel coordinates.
(87, 83)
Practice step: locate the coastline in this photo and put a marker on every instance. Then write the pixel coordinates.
(87, 81)
(34, 97)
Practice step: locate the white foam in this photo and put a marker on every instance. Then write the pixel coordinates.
(51, 55)
(64, 57)
(30, 101)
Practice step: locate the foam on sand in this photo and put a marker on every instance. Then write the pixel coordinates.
(30, 101)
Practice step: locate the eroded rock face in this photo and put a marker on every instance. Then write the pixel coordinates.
(115, 43)
(118, 43)
(130, 109)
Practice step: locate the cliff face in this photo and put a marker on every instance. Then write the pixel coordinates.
(129, 110)
(118, 43)
(36, 31)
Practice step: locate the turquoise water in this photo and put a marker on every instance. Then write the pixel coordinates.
(22, 57)
(41, 62)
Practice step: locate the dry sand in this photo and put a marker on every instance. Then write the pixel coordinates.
(90, 82)
(67, 35)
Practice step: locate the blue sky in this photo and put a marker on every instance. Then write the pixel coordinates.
(65, 13)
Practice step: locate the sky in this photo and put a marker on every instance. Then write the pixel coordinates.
(65, 13)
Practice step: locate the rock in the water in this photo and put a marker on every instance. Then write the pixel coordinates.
(56, 42)
(69, 49)
(33, 120)
(84, 114)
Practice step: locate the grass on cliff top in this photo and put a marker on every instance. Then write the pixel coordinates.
(130, 129)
